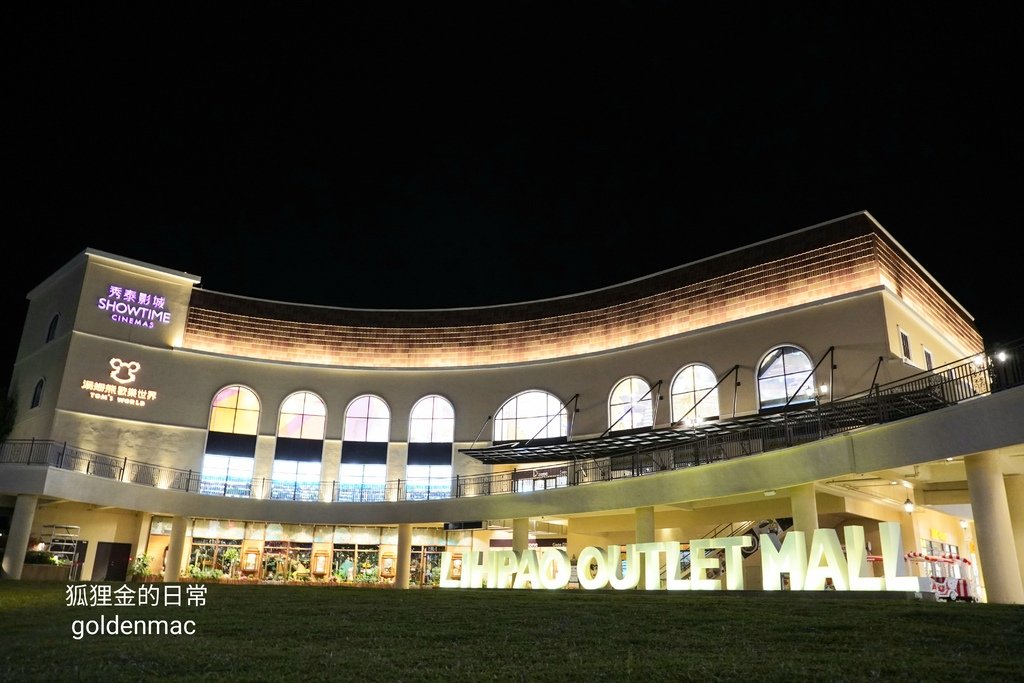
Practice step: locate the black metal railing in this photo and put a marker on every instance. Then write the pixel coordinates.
(923, 392)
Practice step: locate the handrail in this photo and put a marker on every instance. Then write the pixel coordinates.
(920, 393)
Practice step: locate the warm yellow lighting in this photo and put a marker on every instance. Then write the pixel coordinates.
(963, 524)
(908, 505)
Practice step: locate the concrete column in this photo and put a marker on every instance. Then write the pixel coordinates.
(176, 549)
(805, 511)
(908, 527)
(644, 524)
(520, 534)
(404, 554)
(993, 527)
(142, 539)
(17, 540)
(1015, 501)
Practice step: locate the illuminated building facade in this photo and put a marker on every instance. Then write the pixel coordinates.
(723, 398)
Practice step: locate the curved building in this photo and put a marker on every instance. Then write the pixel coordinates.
(821, 380)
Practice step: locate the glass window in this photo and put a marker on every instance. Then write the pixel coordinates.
(295, 480)
(428, 481)
(929, 362)
(225, 475)
(37, 394)
(235, 410)
(303, 416)
(432, 420)
(784, 374)
(361, 483)
(694, 395)
(367, 419)
(531, 414)
(905, 344)
(630, 405)
(51, 331)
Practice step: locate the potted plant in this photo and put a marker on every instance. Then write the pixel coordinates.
(139, 568)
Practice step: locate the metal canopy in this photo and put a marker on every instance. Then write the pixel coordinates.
(628, 444)
(903, 399)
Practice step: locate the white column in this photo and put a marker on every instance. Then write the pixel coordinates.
(142, 540)
(175, 549)
(644, 524)
(1015, 501)
(17, 539)
(993, 528)
(520, 534)
(404, 554)
(805, 511)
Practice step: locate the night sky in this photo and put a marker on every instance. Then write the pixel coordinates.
(423, 155)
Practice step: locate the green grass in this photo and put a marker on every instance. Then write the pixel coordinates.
(260, 633)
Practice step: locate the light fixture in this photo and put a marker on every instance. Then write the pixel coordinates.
(770, 492)
(908, 505)
(964, 524)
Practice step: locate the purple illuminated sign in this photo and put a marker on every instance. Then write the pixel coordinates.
(132, 307)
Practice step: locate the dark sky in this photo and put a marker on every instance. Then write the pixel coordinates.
(390, 155)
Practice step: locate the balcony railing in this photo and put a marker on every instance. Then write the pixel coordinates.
(924, 392)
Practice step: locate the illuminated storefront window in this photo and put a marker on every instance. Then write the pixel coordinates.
(299, 448)
(364, 450)
(431, 433)
(231, 443)
(225, 475)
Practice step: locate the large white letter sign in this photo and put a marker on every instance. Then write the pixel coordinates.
(592, 569)
(825, 544)
(791, 557)
(700, 562)
(631, 572)
(555, 569)
(893, 562)
(857, 559)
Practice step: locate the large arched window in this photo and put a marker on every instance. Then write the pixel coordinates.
(630, 405)
(364, 450)
(531, 415)
(694, 395)
(784, 376)
(431, 434)
(231, 442)
(301, 426)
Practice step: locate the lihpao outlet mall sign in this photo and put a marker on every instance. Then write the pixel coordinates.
(824, 564)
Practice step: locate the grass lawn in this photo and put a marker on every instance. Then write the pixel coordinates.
(263, 632)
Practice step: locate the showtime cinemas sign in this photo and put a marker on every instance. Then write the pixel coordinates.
(599, 568)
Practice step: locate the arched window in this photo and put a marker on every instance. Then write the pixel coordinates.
(694, 395)
(531, 415)
(231, 442)
(630, 405)
(303, 416)
(431, 434)
(300, 435)
(364, 451)
(51, 331)
(37, 394)
(784, 374)
(235, 410)
(432, 420)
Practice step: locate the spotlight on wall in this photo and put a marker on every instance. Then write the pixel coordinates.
(908, 505)
(964, 524)
(770, 492)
